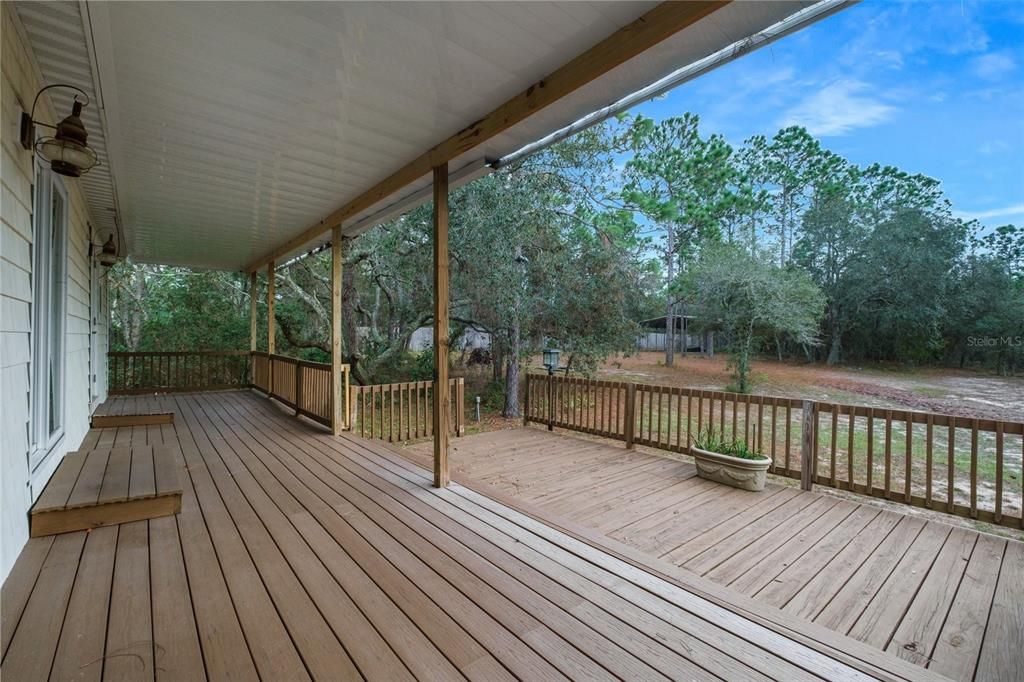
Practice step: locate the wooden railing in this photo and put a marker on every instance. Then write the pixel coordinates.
(404, 411)
(302, 385)
(958, 465)
(163, 372)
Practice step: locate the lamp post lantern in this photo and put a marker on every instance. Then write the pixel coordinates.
(551, 359)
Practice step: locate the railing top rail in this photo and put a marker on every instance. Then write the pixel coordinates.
(915, 416)
(174, 353)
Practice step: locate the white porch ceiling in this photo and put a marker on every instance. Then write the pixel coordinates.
(232, 127)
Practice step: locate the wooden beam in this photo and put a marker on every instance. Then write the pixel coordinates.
(252, 311)
(660, 23)
(337, 380)
(271, 322)
(106, 421)
(442, 392)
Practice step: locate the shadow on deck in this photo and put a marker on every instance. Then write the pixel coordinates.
(298, 555)
(942, 597)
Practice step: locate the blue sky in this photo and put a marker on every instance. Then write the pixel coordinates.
(933, 87)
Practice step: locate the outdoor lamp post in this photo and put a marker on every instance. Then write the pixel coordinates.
(551, 363)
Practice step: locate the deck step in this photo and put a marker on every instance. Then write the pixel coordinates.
(105, 487)
(103, 421)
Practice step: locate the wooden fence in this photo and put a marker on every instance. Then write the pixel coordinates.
(164, 372)
(304, 386)
(958, 465)
(402, 412)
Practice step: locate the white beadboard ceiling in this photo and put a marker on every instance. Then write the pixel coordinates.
(231, 127)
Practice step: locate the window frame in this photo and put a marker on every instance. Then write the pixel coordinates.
(49, 330)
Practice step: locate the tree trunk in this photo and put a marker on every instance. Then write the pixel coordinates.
(349, 295)
(136, 312)
(835, 346)
(743, 366)
(670, 322)
(511, 409)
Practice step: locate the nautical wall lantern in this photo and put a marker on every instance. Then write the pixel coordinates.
(67, 150)
(107, 254)
(551, 359)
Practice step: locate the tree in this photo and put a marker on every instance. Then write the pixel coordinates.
(830, 241)
(786, 167)
(750, 301)
(898, 287)
(162, 308)
(680, 182)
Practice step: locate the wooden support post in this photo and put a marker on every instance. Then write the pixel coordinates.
(298, 386)
(271, 331)
(630, 415)
(551, 401)
(442, 391)
(337, 380)
(526, 401)
(252, 327)
(252, 311)
(271, 321)
(807, 427)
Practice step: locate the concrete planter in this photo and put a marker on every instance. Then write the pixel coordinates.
(746, 474)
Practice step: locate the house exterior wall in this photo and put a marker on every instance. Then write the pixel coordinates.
(18, 486)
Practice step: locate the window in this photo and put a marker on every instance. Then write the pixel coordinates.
(48, 307)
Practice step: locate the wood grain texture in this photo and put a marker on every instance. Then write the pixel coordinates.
(101, 421)
(300, 555)
(886, 578)
(442, 391)
(112, 485)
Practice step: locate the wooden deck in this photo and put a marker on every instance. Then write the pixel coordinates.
(298, 555)
(935, 595)
(105, 487)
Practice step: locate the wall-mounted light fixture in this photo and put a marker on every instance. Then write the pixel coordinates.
(107, 254)
(67, 150)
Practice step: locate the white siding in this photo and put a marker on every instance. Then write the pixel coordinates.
(18, 486)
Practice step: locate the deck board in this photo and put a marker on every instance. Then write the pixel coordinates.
(300, 555)
(910, 585)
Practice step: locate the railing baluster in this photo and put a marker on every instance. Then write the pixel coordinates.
(832, 455)
(999, 472)
(849, 447)
(908, 465)
(871, 451)
(974, 468)
(888, 454)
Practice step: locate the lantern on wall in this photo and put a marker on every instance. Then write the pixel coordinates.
(107, 254)
(67, 150)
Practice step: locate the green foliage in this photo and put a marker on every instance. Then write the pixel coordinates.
(752, 301)
(710, 440)
(161, 308)
(423, 366)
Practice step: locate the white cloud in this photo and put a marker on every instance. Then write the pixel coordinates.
(993, 66)
(837, 109)
(1012, 210)
(994, 147)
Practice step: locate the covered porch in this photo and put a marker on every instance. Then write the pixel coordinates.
(302, 551)
(299, 555)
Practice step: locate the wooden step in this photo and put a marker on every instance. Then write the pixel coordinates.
(103, 421)
(107, 487)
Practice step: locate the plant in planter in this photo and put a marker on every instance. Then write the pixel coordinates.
(728, 462)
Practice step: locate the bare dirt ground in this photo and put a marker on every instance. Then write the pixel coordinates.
(946, 391)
